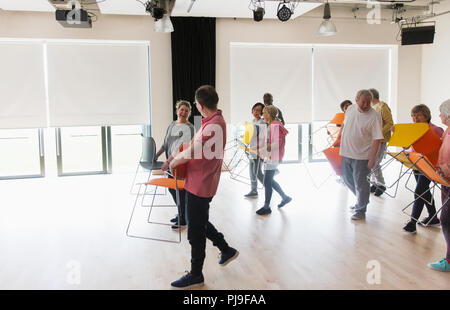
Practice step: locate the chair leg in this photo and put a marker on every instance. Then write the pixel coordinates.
(134, 179)
(419, 197)
(150, 238)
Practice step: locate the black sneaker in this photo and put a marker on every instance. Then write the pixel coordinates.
(253, 193)
(175, 226)
(430, 222)
(226, 257)
(380, 190)
(188, 281)
(410, 227)
(264, 210)
(373, 188)
(175, 219)
(284, 201)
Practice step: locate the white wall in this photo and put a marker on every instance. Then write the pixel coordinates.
(436, 65)
(109, 27)
(304, 30)
(301, 30)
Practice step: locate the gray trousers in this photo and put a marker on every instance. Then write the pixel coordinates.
(355, 172)
(255, 172)
(377, 175)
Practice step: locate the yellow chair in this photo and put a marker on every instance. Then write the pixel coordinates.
(404, 136)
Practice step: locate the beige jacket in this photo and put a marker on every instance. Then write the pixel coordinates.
(386, 116)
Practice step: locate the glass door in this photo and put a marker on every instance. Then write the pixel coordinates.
(83, 150)
(21, 153)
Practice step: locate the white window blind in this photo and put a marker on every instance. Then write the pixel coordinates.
(282, 70)
(339, 72)
(94, 83)
(22, 87)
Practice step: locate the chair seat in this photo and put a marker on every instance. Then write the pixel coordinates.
(167, 182)
(156, 165)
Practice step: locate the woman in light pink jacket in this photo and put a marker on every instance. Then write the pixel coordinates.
(272, 152)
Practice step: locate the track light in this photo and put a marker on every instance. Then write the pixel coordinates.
(164, 25)
(258, 14)
(154, 8)
(257, 6)
(327, 28)
(283, 13)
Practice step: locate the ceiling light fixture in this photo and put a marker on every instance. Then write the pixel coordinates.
(154, 8)
(284, 12)
(164, 25)
(160, 11)
(327, 28)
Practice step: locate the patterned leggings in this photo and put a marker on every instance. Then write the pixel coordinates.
(445, 217)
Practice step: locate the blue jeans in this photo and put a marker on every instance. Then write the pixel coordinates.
(269, 185)
(355, 172)
(255, 172)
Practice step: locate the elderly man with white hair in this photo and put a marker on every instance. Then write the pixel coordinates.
(361, 138)
(443, 166)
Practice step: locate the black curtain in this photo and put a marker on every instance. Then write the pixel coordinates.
(193, 58)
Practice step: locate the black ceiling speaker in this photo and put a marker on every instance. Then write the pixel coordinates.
(418, 35)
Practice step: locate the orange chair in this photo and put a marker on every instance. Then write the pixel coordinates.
(176, 183)
(333, 157)
(428, 145)
(426, 167)
(334, 127)
(405, 136)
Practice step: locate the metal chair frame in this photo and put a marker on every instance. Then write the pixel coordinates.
(432, 188)
(150, 212)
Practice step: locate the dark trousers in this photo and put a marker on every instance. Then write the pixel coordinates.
(269, 185)
(423, 185)
(445, 217)
(199, 228)
(182, 205)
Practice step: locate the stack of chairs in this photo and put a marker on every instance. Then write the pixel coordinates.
(237, 165)
(416, 135)
(427, 168)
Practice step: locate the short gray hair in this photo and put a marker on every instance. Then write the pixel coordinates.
(364, 92)
(444, 108)
(375, 93)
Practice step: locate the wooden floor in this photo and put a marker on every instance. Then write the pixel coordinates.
(69, 233)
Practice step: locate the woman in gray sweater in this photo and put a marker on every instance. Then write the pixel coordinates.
(179, 132)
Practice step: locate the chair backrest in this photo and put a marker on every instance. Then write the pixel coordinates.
(248, 133)
(148, 149)
(406, 134)
(427, 168)
(428, 145)
(338, 119)
(180, 171)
